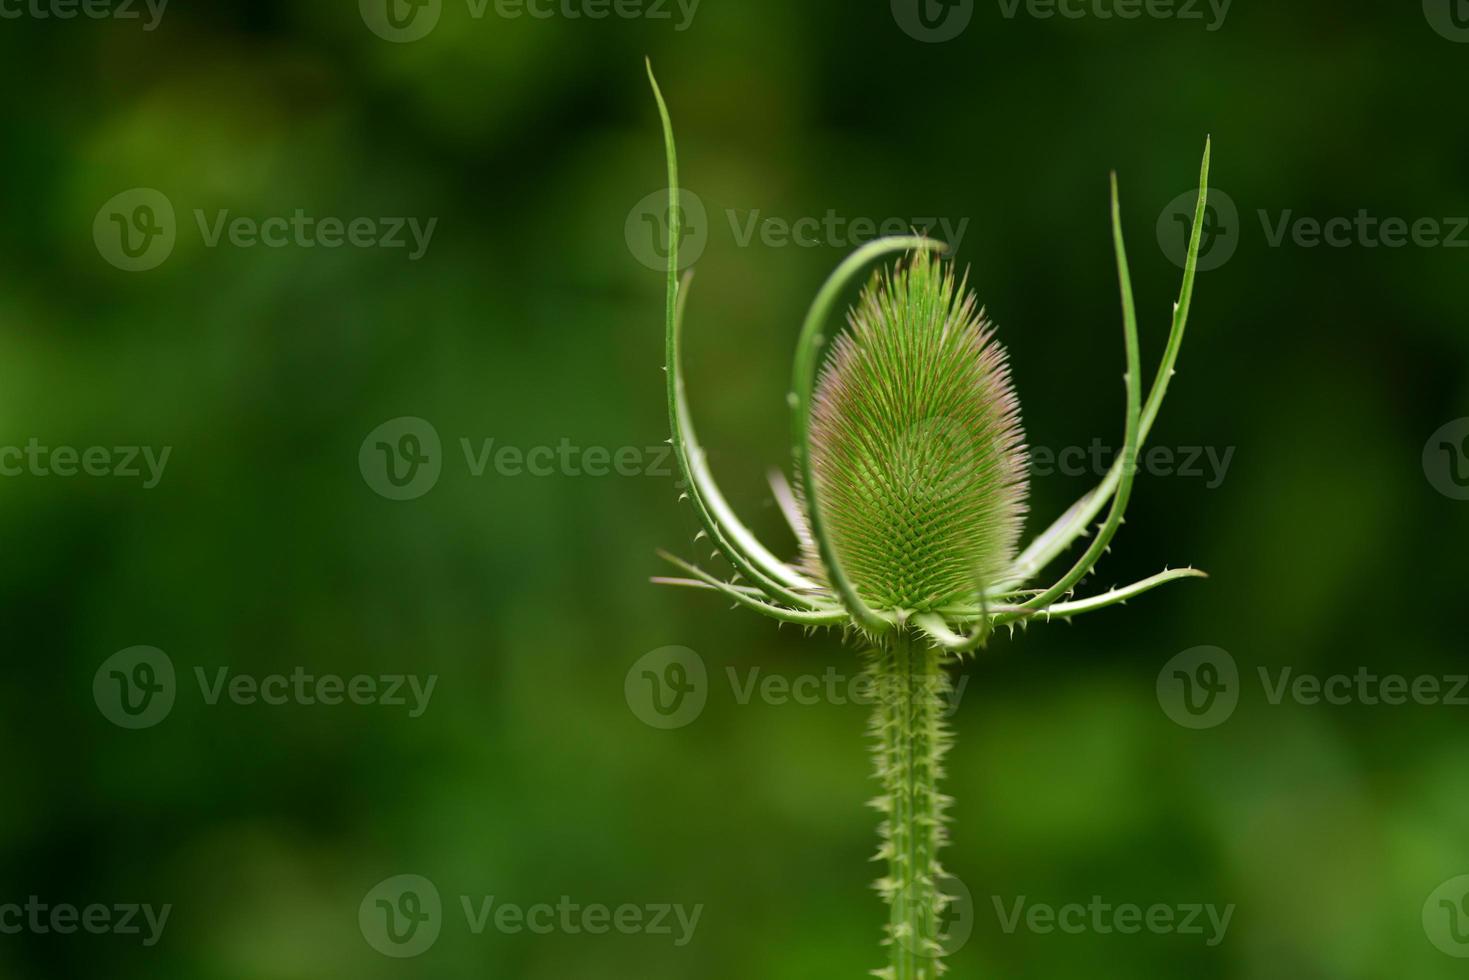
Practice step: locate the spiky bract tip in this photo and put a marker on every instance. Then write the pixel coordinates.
(917, 450)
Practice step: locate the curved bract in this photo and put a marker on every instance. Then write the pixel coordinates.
(802, 402)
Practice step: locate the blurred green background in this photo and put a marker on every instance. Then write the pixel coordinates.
(531, 320)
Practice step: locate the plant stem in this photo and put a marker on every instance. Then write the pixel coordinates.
(910, 741)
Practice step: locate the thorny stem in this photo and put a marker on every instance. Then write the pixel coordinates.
(910, 741)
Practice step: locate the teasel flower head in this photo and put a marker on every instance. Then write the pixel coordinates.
(917, 450)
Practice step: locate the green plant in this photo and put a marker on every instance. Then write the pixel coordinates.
(910, 493)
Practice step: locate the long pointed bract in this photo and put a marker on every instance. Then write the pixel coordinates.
(1130, 440)
(1074, 522)
(728, 534)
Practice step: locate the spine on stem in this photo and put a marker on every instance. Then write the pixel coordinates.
(910, 740)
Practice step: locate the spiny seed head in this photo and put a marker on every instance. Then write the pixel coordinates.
(917, 451)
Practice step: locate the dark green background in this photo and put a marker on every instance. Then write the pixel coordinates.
(530, 320)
